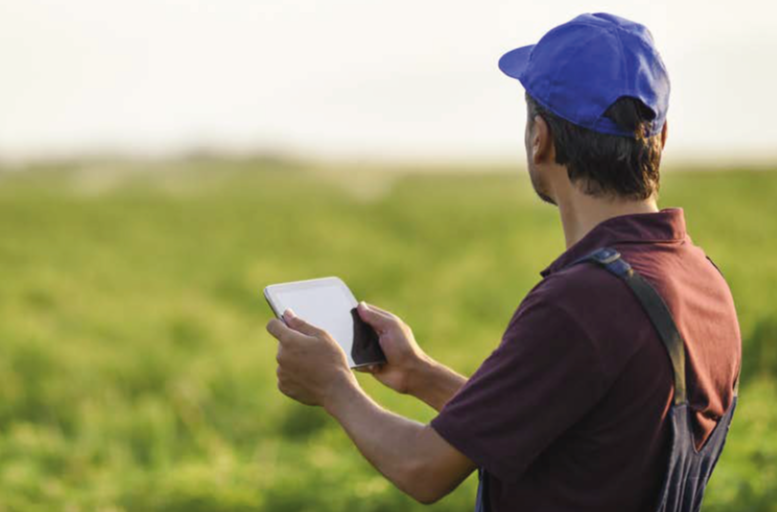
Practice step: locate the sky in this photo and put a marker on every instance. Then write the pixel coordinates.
(372, 79)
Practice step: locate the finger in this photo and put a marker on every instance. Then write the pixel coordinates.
(300, 325)
(283, 388)
(278, 329)
(380, 310)
(280, 356)
(378, 319)
(371, 368)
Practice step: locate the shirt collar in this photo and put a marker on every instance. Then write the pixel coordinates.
(667, 225)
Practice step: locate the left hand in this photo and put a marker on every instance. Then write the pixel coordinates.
(312, 368)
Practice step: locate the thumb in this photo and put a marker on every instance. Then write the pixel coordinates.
(372, 368)
(377, 319)
(299, 324)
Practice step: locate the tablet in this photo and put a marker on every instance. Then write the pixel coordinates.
(327, 303)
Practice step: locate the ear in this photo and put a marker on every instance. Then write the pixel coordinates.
(541, 146)
(664, 134)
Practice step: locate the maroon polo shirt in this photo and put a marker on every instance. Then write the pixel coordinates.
(569, 411)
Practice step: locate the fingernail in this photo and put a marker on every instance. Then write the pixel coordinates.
(363, 305)
(289, 313)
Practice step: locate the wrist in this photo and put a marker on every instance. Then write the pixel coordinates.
(342, 390)
(418, 374)
(434, 383)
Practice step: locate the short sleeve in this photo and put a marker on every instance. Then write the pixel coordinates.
(542, 378)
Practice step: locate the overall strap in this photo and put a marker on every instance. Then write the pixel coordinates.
(654, 306)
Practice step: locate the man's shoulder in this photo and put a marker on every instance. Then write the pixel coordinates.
(581, 305)
(579, 287)
(587, 304)
(587, 286)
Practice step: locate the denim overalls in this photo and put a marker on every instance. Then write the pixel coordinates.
(688, 470)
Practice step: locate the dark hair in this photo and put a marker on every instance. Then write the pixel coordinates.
(608, 164)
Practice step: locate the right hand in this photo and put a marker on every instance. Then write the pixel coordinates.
(404, 358)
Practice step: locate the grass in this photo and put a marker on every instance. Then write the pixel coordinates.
(136, 375)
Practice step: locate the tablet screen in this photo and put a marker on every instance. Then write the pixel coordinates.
(329, 304)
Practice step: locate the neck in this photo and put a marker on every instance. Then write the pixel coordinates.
(580, 212)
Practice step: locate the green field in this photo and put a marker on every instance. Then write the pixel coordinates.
(136, 374)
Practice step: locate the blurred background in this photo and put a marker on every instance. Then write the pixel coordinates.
(162, 161)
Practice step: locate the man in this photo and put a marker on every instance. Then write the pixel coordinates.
(613, 374)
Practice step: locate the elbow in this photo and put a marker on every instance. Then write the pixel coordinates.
(426, 496)
(429, 498)
(431, 469)
(424, 485)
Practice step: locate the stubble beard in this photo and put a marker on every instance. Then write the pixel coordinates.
(539, 187)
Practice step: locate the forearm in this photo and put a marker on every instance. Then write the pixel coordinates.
(401, 449)
(434, 383)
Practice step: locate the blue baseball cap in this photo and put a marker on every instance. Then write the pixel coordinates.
(579, 69)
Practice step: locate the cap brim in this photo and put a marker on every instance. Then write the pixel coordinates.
(514, 62)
